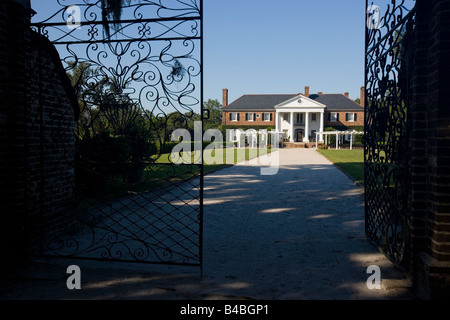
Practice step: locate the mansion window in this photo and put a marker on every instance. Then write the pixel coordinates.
(334, 117)
(351, 117)
(267, 116)
(250, 117)
(234, 116)
(300, 118)
(313, 117)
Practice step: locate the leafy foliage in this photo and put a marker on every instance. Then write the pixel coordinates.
(114, 140)
(214, 108)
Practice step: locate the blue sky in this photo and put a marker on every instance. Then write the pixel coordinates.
(278, 46)
(267, 46)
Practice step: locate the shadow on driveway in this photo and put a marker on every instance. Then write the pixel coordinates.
(296, 235)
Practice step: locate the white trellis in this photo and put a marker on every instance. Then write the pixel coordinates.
(240, 137)
(253, 138)
(339, 135)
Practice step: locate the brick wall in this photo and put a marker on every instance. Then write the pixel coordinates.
(50, 171)
(37, 132)
(13, 82)
(429, 199)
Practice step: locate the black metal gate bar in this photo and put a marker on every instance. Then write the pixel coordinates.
(202, 168)
(135, 82)
(388, 68)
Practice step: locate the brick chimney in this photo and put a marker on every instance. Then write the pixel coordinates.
(363, 96)
(346, 94)
(320, 93)
(224, 98)
(307, 91)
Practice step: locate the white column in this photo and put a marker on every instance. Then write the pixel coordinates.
(337, 141)
(277, 121)
(322, 114)
(306, 138)
(351, 141)
(292, 128)
(238, 137)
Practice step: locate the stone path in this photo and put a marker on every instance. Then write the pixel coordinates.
(298, 235)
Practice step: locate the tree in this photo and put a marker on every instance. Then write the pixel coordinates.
(215, 115)
(114, 136)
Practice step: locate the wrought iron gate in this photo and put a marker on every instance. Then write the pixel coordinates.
(389, 61)
(137, 79)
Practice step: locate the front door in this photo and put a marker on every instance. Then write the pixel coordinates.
(299, 135)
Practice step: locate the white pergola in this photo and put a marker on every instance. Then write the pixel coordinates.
(251, 137)
(339, 135)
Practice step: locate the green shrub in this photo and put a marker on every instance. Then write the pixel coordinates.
(98, 160)
(108, 156)
(358, 141)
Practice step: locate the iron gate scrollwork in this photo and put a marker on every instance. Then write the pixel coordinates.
(389, 61)
(136, 79)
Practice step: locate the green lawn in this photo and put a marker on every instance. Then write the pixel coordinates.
(350, 161)
(163, 171)
(214, 158)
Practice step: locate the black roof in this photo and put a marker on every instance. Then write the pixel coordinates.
(256, 102)
(267, 102)
(336, 102)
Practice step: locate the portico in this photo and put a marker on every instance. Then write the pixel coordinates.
(300, 118)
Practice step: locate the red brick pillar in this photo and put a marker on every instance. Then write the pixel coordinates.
(429, 198)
